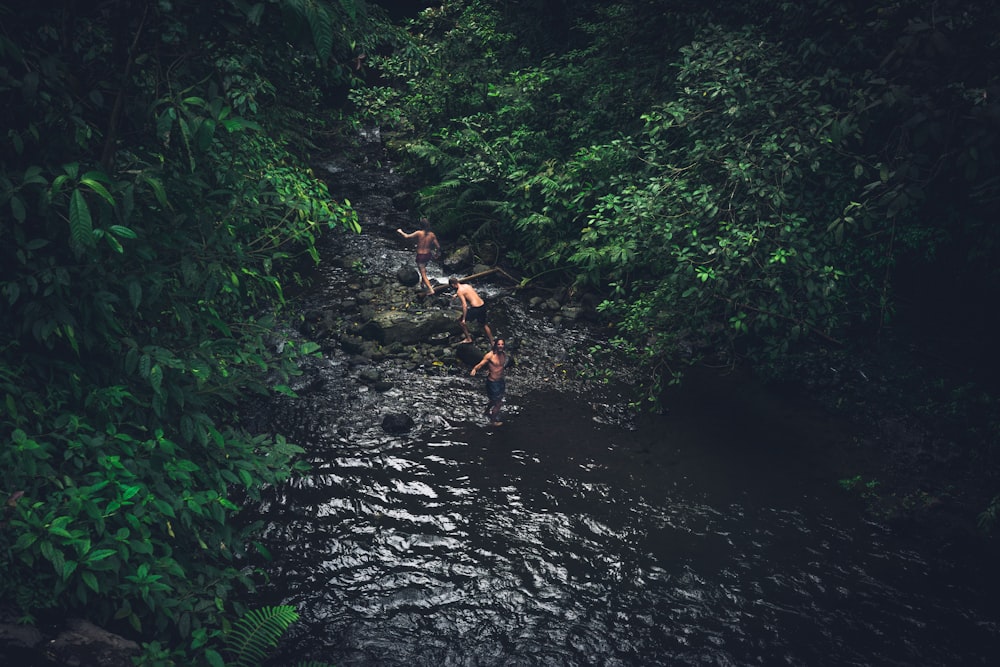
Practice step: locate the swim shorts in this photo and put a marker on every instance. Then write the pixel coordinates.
(476, 314)
(495, 389)
(424, 257)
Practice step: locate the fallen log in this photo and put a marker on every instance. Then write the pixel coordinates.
(495, 269)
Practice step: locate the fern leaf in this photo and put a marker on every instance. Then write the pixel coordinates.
(321, 25)
(257, 632)
(81, 227)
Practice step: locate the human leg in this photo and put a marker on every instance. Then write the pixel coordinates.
(478, 314)
(422, 268)
(495, 390)
(495, 411)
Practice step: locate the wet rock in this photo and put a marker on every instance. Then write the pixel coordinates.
(469, 353)
(83, 643)
(307, 383)
(352, 344)
(358, 360)
(407, 275)
(396, 423)
(317, 324)
(571, 312)
(369, 376)
(15, 636)
(394, 326)
(460, 259)
(403, 201)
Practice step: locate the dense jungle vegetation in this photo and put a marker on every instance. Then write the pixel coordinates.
(792, 185)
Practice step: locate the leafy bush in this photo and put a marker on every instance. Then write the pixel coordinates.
(150, 234)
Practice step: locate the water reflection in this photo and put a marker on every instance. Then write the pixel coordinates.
(556, 540)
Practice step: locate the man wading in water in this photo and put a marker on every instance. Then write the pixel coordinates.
(473, 309)
(427, 247)
(497, 362)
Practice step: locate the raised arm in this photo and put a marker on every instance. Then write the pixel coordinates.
(482, 363)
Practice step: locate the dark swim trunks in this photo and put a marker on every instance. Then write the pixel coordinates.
(495, 389)
(424, 257)
(476, 314)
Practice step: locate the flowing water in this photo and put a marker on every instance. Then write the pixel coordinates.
(582, 533)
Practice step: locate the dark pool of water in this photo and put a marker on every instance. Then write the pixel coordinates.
(702, 537)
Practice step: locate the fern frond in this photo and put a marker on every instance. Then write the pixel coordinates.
(257, 632)
(81, 228)
(317, 19)
(321, 25)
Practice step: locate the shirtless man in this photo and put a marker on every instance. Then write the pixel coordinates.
(473, 309)
(427, 247)
(496, 362)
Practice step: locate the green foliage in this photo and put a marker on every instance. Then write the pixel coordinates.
(726, 220)
(737, 181)
(256, 634)
(154, 218)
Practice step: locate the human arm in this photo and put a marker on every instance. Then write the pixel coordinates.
(404, 234)
(482, 363)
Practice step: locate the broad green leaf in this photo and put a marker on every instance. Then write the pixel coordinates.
(99, 555)
(80, 224)
(99, 189)
(124, 232)
(91, 581)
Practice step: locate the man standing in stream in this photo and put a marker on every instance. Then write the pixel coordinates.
(427, 247)
(497, 362)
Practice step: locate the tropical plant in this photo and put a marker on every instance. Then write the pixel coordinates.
(155, 219)
(255, 635)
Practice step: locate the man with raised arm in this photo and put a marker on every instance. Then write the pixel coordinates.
(427, 247)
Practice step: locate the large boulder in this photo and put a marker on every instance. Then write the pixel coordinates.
(469, 354)
(459, 259)
(83, 643)
(407, 275)
(397, 326)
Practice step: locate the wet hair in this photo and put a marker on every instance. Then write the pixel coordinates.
(453, 281)
(497, 340)
(424, 222)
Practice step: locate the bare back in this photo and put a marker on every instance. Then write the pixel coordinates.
(426, 241)
(469, 295)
